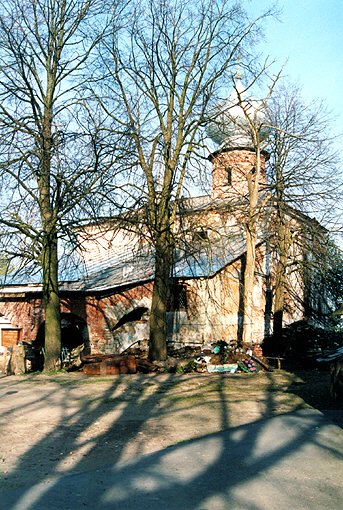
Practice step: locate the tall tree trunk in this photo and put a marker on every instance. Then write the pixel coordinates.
(253, 216)
(282, 249)
(51, 303)
(160, 298)
(280, 279)
(249, 275)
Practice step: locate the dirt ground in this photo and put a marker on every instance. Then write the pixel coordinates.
(70, 423)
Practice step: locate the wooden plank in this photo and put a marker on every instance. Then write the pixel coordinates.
(109, 364)
(10, 337)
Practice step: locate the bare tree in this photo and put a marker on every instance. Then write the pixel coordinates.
(168, 62)
(253, 127)
(304, 177)
(52, 148)
(241, 127)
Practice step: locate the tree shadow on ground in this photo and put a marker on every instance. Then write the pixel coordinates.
(313, 386)
(217, 470)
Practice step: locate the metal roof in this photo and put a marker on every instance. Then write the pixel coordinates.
(122, 269)
(123, 266)
(126, 267)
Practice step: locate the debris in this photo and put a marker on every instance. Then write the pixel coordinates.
(248, 365)
(72, 360)
(145, 366)
(227, 367)
(335, 358)
(331, 356)
(141, 346)
(219, 357)
(264, 365)
(336, 380)
(302, 343)
(222, 356)
(257, 351)
(109, 364)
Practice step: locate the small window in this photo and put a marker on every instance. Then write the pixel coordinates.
(200, 235)
(179, 297)
(228, 170)
(269, 300)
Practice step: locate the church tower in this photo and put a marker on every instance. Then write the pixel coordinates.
(236, 157)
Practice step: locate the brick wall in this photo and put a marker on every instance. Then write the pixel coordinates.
(25, 313)
(100, 314)
(229, 170)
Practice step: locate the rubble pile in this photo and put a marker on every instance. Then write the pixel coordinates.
(301, 343)
(220, 356)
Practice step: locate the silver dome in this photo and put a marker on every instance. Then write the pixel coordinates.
(229, 126)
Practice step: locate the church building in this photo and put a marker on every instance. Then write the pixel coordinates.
(105, 304)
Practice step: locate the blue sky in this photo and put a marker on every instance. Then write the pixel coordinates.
(310, 36)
